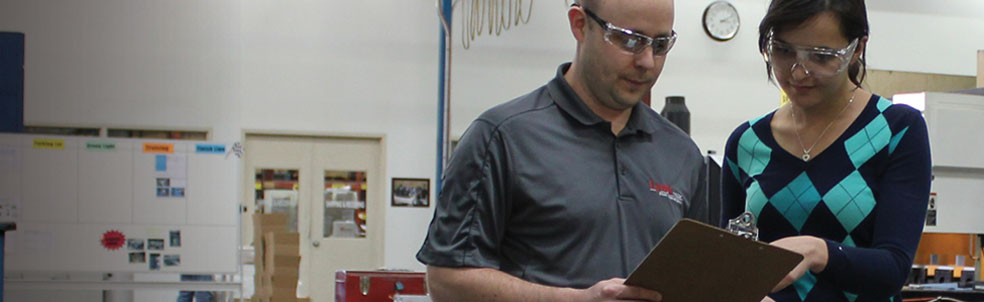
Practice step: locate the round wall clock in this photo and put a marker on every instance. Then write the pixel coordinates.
(721, 20)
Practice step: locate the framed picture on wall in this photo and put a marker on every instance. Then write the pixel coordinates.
(411, 192)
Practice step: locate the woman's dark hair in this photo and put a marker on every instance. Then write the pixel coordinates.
(787, 14)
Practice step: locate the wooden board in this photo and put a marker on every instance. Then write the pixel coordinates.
(696, 262)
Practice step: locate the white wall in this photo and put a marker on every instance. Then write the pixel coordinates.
(160, 64)
(724, 82)
(350, 67)
(370, 67)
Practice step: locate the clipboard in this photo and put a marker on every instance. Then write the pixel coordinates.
(696, 262)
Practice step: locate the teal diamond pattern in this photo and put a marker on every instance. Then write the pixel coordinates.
(849, 241)
(851, 201)
(896, 139)
(797, 200)
(883, 104)
(753, 154)
(864, 144)
(850, 297)
(755, 199)
(805, 284)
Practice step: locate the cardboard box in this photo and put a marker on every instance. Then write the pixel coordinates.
(276, 244)
(263, 223)
(258, 288)
(277, 286)
(281, 244)
(277, 264)
(272, 219)
(281, 250)
(281, 281)
(279, 299)
(283, 299)
(282, 238)
(280, 292)
(261, 290)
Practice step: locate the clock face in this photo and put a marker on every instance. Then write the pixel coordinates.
(721, 21)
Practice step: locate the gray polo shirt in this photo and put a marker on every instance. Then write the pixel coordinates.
(541, 189)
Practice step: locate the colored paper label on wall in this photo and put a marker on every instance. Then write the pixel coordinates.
(113, 240)
(160, 163)
(158, 148)
(100, 146)
(45, 143)
(206, 148)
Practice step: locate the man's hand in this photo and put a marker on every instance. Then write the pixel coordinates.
(490, 285)
(615, 290)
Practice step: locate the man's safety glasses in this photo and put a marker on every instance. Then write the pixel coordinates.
(815, 61)
(632, 42)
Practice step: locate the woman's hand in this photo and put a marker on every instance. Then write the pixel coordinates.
(814, 251)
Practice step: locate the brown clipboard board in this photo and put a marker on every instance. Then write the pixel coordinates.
(696, 262)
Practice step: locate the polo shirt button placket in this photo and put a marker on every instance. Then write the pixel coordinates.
(618, 151)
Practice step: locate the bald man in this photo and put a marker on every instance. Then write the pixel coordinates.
(558, 194)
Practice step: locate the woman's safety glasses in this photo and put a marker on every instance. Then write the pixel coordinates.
(632, 42)
(815, 61)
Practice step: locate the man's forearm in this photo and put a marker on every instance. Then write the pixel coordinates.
(489, 285)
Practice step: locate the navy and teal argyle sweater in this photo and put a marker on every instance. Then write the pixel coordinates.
(866, 195)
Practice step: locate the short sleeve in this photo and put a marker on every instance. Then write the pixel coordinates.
(471, 211)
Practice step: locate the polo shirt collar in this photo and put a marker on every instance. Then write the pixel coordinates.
(572, 104)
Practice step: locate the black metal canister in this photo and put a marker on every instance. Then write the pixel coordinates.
(676, 111)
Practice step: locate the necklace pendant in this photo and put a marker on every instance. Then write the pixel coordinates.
(806, 156)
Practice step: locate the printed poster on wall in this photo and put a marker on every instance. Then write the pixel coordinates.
(170, 175)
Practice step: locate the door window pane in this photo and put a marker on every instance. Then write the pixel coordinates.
(277, 192)
(345, 204)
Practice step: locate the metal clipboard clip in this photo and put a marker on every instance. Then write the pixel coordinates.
(744, 226)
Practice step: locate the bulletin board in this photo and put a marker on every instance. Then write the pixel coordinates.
(90, 204)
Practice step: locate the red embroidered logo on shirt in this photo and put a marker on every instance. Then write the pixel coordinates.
(665, 191)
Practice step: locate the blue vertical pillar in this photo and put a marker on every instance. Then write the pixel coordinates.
(443, 102)
(11, 82)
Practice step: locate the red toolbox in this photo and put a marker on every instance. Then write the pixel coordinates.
(375, 286)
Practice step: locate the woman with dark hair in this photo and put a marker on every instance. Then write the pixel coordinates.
(837, 174)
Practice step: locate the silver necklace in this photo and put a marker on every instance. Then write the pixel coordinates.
(806, 151)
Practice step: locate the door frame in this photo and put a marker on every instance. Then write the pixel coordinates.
(383, 187)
